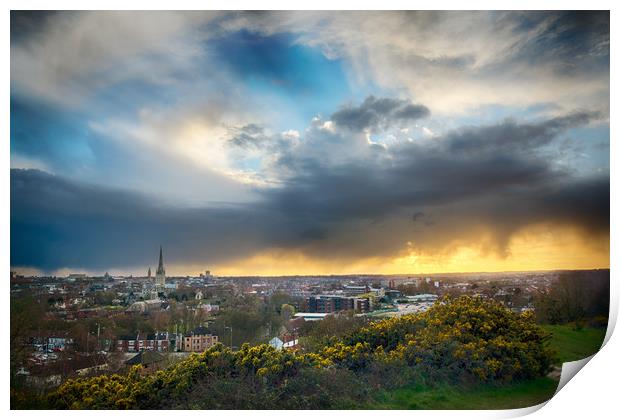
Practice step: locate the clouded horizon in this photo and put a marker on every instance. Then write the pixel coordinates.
(309, 142)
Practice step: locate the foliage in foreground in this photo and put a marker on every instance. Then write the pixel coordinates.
(465, 340)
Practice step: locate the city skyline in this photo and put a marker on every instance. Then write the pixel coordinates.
(291, 143)
(196, 272)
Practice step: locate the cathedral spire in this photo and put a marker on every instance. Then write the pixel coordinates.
(161, 261)
(160, 274)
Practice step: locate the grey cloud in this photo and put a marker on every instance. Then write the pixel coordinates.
(459, 60)
(504, 182)
(350, 210)
(462, 164)
(26, 22)
(572, 41)
(250, 135)
(510, 136)
(379, 113)
(523, 57)
(58, 223)
(73, 55)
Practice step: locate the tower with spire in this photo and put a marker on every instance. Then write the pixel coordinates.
(160, 274)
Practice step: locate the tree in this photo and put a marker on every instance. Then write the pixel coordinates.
(160, 320)
(287, 311)
(104, 298)
(276, 300)
(573, 296)
(26, 317)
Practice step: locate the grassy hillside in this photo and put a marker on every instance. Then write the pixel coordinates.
(571, 344)
(519, 395)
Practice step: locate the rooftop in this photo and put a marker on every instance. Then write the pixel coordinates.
(145, 358)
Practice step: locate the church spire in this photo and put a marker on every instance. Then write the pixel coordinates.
(160, 267)
(160, 274)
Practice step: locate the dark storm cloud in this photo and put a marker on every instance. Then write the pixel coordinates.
(583, 203)
(571, 41)
(45, 133)
(379, 113)
(578, 203)
(59, 223)
(352, 210)
(494, 176)
(510, 136)
(25, 23)
(465, 163)
(368, 190)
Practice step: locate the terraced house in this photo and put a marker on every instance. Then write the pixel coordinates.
(198, 340)
(159, 341)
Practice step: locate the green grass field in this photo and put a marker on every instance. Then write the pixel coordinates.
(573, 345)
(519, 395)
(569, 345)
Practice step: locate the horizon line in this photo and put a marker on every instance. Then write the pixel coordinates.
(342, 274)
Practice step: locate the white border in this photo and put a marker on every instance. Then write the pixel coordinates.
(309, 5)
(592, 393)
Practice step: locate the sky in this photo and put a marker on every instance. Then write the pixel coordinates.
(273, 143)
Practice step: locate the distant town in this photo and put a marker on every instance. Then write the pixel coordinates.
(104, 323)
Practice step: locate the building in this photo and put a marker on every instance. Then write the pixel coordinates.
(276, 343)
(207, 308)
(198, 340)
(395, 282)
(352, 290)
(160, 341)
(145, 306)
(291, 345)
(393, 294)
(126, 344)
(425, 297)
(328, 304)
(58, 343)
(362, 305)
(311, 316)
(160, 274)
(287, 342)
(55, 342)
(150, 360)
